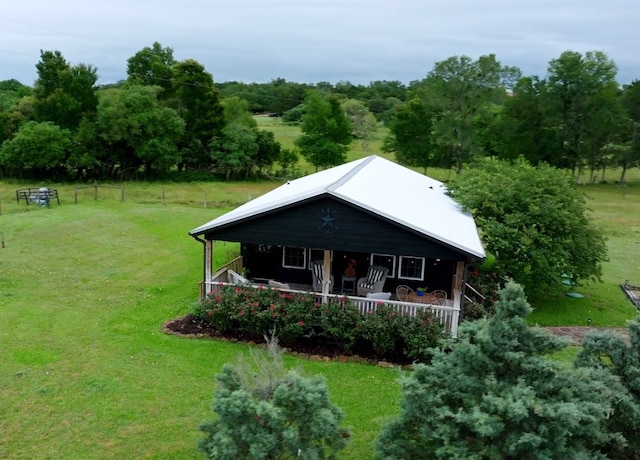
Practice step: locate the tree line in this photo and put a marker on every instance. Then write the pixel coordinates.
(171, 118)
(577, 118)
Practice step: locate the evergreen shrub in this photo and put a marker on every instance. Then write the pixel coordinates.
(265, 411)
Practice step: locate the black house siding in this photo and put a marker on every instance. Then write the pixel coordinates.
(328, 223)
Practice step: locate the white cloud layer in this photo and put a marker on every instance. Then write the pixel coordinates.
(310, 41)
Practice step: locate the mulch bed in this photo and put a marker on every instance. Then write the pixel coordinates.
(316, 350)
(189, 326)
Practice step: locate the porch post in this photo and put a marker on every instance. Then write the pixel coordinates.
(326, 275)
(458, 279)
(208, 265)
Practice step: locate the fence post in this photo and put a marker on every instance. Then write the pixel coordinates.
(205, 200)
(95, 191)
(122, 193)
(75, 196)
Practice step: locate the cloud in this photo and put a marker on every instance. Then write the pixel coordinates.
(317, 40)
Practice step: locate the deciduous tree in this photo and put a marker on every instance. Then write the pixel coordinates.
(199, 106)
(582, 92)
(410, 135)
(269, 150)
(138, 130)
(534, 221)
(235, 150)
(37, 150)
(457, 89)
(153, 66)
(524, 125)
(326, 131)
(363, 123)
(64, 94)
(236, 110)
(629, 155)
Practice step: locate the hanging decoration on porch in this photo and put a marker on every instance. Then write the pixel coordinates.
(350, 271)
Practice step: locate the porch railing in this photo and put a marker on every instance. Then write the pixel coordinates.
(448, 314)
(471, 294)
(224, 274)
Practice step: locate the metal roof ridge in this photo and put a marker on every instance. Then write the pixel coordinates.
(355, 170)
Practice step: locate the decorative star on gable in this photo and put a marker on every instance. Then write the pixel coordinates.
(329, 220)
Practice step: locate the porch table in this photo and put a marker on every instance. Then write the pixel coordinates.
(425, 298)
(350, 282)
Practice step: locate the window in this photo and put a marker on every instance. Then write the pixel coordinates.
(294, 257)
(317, 254)
(385, 260)
(411, 268)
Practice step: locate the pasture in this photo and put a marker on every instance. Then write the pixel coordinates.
(86, 371)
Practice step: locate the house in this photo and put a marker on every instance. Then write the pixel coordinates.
(367, 212)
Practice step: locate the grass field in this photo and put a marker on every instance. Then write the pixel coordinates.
(286, 133)
(85, 288)
(86, 371)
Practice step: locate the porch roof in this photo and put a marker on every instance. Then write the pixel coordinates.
(380, 187)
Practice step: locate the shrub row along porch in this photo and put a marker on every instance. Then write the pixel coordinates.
(447, 314)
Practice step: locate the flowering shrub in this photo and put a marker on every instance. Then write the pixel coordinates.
(422, 336)
(340, 322)
(252, 313)
(383, 329)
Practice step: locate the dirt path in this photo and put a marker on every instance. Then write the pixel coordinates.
(577, 333)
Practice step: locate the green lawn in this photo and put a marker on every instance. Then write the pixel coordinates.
(85, 288)
(616, 210)
(86, 371)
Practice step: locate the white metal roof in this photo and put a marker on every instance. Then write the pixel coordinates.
(378, 185)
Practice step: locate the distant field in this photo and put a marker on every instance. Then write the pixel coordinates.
(616, 209)
(286, 133)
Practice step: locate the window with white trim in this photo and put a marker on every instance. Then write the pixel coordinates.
(294, 257)
(411, 268)
(385, 260)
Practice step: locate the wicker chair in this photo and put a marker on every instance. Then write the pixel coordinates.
(402, 292)
(441, 296)
(374, 281)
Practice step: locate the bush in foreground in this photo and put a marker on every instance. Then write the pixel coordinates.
(267, 412)
(495, 394)
(607, 351)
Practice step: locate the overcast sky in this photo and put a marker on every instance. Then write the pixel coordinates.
(309, 41)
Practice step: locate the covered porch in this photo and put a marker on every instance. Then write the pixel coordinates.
(447, 311)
